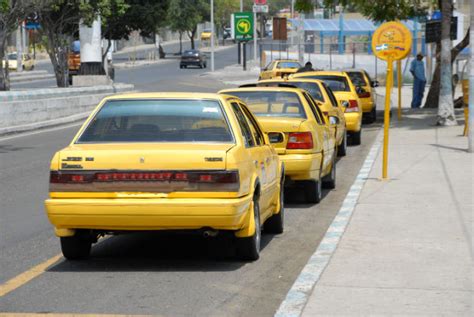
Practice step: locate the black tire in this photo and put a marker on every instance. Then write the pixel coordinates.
(313, 191)
(329, 181)
(76, 247)
(356, 137)
(248, 248)
(112, 73)
(275, 224)
(342, 148)
(372, 116)
(205, 65)
(201, 65)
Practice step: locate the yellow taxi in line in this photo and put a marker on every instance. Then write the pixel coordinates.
(280, 68)
(159, 161)
(206, 35)
(364, 84)
(326, 101)
(300, 133)
(28, 63)
(345, 92)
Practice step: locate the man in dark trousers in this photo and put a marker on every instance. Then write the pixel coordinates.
(308, 67)
(417, 69)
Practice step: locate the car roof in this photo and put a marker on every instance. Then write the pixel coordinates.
(165, 95)
(321, 72)
(270, 89)
(289, 80)
(286, 60)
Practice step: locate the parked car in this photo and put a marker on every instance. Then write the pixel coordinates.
(28, 62)
(346, 94)
(166, 161)
(280, 68)
(206, 34)
(193, 58)
(364, 86)
(326, 101)
(300, 133)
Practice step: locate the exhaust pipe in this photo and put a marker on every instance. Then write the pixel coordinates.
(210, 233)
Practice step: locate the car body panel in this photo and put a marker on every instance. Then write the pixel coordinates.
(274, 69)
(353, 119)
(101, 208)
(363, 80)
(28, 63)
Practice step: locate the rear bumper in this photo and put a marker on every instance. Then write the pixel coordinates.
(148, 214)
(353, 121)
(194, 63)
(367, 105)
(302, 166)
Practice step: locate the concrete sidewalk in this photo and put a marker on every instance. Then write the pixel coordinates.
(408, 246)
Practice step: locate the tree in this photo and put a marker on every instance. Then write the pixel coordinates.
(12, 11)
(223, 12)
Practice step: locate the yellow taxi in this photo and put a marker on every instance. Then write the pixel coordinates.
(280, 68)
(345, 92)
(167, 161)
(28, 63)
(206, 35)
(326, 101)
(364, 84)
(300, 133)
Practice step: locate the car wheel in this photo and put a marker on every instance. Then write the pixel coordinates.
(201, 65)
(313, 191)
(205, 65)
(76, 247)
(275, 223)
(249, 248)
(329, 180)
(372, 116)
(342, 148)
(356, 137)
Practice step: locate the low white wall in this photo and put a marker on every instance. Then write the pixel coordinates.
(33, 109)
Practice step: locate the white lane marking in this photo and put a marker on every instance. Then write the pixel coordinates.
(298, 295)
(19, 135)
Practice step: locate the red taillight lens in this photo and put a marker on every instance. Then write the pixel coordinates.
(364, 95)
(352, 106)
(300, 141)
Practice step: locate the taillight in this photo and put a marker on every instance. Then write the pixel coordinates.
(352, 106)
(300, 141)
(144, 180)
(364, 94)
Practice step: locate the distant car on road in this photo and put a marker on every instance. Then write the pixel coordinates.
(206, 35)
(193, 58)
(28, 63)
(167, 161)
(280, 68)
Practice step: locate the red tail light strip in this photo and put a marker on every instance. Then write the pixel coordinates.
(300, 141)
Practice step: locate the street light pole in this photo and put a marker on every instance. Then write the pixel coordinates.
(212, 35)
(470, 135)
(241, 5)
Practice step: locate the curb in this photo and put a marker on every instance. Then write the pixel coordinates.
(298, 295)
(44, 124)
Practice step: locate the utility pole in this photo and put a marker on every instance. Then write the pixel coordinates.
(212, 35)
(241, 5)
(19, 50)
(470, 135)
(255, 36)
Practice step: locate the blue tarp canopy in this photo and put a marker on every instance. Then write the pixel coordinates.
(330, 27)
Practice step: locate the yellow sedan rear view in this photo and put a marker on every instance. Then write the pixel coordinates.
(167, 161)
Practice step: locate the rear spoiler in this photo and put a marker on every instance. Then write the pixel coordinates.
(284, 85)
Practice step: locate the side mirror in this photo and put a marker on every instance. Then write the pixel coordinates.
(374, 83)
(360, 90)
(333, 120)
(265, 69)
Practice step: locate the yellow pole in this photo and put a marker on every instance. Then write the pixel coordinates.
(399, 82)
(388, 91)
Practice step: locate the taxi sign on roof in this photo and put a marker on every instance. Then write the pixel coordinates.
(391, 40)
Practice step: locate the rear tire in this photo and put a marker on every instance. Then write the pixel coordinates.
(329, 180)
(356, 137)
(275, 224)
(76, 247)
(248, 248)
(372, 116)
(313, 191)
(342, 148)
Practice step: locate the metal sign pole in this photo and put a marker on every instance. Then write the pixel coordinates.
(212, 35)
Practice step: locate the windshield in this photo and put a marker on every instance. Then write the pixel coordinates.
(336, 83)
(12, 56)
(357, 78)
(158, 121)
(191, 53)
(288, 65)
(272, 103)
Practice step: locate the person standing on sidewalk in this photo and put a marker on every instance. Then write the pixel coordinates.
(417, 69)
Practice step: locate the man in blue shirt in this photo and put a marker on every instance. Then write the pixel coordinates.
(417, 69)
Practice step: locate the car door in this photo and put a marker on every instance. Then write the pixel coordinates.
(258, 153)
(337, 111)
(267, 72)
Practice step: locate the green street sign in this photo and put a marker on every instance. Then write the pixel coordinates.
(243, 26)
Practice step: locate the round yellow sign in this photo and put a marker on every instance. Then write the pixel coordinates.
(391, 40)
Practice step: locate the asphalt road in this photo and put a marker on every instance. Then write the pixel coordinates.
(150, 273)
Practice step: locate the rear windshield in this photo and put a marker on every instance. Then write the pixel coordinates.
(288, 65)
(336, 83)
(191, 53)
(272, 103)
(312, 88)
(158, 121)
(357, 78)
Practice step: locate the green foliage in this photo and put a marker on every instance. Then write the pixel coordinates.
(304, 6)
(184, 15)
(384, 10)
